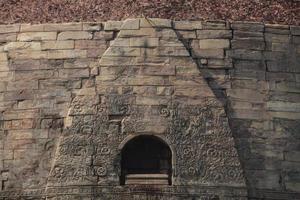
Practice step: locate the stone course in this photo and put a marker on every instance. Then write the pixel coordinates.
(252, 68)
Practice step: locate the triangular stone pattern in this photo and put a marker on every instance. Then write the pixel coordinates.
(147, 85)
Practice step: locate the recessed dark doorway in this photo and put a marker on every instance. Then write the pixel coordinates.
(146, 160)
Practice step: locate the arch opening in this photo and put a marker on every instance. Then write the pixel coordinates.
(147, 160)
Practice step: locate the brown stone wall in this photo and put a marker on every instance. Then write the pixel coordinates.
(253, 68)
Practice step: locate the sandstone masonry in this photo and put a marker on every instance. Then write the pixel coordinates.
(252, 68)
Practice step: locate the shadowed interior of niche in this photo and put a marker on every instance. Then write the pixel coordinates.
(146, 160)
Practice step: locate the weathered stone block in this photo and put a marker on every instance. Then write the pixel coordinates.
(246, 34)
(91, 26)
(295, 30)
(22, 46)
(215, 25)
(120, 42)
(75, 35)
(8, 37)
(21, 55)
(32, 28)
(47, 45)
(9, 28)
(172, 51)
(131, 24)
(63, 27)
(187, 34)
(33, 36)
(123, 51)
(248, 44)
(71, 73)
(214, 34)
(208, 53)
(155, 22)
(187, 25)
(90, 44)
(106, 35)
(293, 155)
(248, 26)
(214, 44)
(269, 37)
(245, 54)
(4, 66)
(246, 94)
(283, 106)
(144, 42)
(112, 25)
(20, 85)
(64, 54)
(273, 76)
(138, 33)
(3, 57)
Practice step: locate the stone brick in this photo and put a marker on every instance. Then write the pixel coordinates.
(75, 35)
(284, 47)
(245, 54)
(246, 94)
(150, 32)
(246, 34)
(172, 51)
(286, 86)
(90, 44)
(19, 85)
(120, 42)
(295, 30)
(22, 46)
(35, 36)
(4, 66)
(34, 75)
(208, 53)
(244, 65)
(187, 25)
(8, 37)
(283, 106)
(71, 73)
(3, 57)
(284, 115)
(9, 28)
(155, 22)
(214, 44)
(187, 34)
(64, 54)
(269, 37)
(123, 51)
(273, 76)
(248, 26)
(63, 27)
(112, 25)
(130, 24)
(47, 45)
(293, 156)
(21, 55)
(144, 42)
(32, 28)
(106, 35)
(91, 26)
(214, 34)
(296, 40)
(215, 25)
(248, 44)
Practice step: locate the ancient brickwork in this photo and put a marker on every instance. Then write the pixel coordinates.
(49, 73)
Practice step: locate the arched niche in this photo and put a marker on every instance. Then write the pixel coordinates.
(146, 159)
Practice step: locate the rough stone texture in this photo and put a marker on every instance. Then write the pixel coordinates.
(58, 95)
